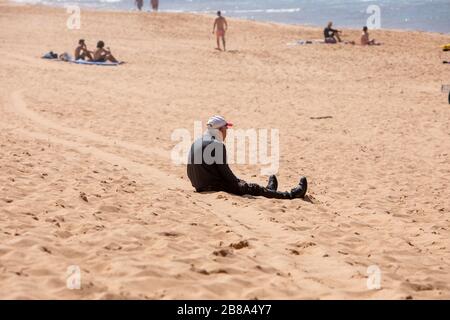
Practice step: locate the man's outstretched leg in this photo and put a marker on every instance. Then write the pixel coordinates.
(218, 42)
(254, 189)
(224, 44)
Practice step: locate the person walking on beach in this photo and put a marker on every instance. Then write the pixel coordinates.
(81, 52)
(220, 27)
(139, 4)
(208, 170)
(155, 4)
(331, 35)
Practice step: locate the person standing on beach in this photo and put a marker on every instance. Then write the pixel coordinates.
(220, 27)
(155, 4)
(139, 4)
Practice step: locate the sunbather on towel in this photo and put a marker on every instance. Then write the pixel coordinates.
(366, 41)
(102, 54)
(331, 35)
(81, 52)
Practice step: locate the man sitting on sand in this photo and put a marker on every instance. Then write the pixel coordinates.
(81, 52)
(331, 35)
(221, 24)
(208, 170)
(365, 40)
(103, 55)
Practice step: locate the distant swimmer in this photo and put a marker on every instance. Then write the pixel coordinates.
(220, 27)
(102, 54)
(208, 168)
(365, 39)
(155, 4)
(81, 52)
(139, 4)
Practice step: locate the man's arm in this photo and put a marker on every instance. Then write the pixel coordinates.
(226, 24)
(77, 52)
(86, 49)
(214, 27)
(225, 170)
(332, 30)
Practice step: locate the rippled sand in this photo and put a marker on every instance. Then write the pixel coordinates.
(86, 177)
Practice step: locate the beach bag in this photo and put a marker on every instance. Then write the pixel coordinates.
(50, 55)
(65, 57)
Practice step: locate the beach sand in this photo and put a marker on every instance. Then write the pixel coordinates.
(87, 180)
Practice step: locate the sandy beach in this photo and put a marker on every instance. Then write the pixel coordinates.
(87, 180)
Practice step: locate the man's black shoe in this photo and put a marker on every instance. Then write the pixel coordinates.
(273, 183)
(300, 190)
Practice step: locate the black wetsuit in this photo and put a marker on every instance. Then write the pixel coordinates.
(329, 32)
(208, 171)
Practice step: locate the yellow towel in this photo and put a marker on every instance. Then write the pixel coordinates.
(446, 47)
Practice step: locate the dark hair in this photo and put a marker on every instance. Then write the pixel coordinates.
(100, 44)
(219, 13)
(365, 28)
(81, 41)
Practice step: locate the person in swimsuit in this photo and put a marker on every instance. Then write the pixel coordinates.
(81, 52)
(102, 54)
(220, 27)
(365, 39)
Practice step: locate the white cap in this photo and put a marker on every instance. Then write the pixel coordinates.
(218, 122)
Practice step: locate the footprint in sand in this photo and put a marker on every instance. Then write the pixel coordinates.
(108, 209)
(222, 253)
(239, 245)
(83, 196)
(113, 247)
(170, 234)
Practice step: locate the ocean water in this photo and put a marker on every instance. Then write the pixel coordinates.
(424, 15)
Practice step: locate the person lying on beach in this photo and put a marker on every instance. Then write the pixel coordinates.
(81, 52)
(331, 35)
(208, 170)
(102, 54)
(365, 40)
(221, 24)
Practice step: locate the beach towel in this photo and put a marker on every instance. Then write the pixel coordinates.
(302, 42)
(68, 58)
(96, 62)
